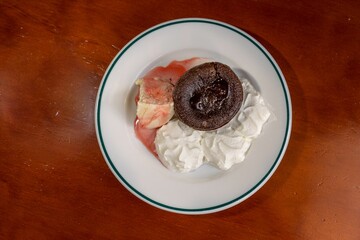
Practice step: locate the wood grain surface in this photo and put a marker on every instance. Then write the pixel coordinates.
(54, 182)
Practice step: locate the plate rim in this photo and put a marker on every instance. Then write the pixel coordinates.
(227, 204)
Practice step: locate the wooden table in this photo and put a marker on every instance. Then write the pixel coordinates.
(54, 182)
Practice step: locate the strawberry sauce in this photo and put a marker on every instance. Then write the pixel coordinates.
(146, 136)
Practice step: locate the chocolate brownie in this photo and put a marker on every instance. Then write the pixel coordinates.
(207, 96)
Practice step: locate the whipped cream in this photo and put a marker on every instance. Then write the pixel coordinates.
(224, 148)
(183, 149)
(179, 146)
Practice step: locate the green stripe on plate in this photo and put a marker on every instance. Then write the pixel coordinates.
(164, 25)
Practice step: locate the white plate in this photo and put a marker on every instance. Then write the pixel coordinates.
(207, 189)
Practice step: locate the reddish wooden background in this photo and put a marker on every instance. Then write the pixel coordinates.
(54, 183)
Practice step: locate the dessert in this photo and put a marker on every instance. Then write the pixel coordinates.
(207, 96)
(183, 146)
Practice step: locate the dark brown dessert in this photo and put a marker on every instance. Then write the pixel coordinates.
(207, 96)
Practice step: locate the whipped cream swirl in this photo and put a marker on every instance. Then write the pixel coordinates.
(179, 147)
(183, 149)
